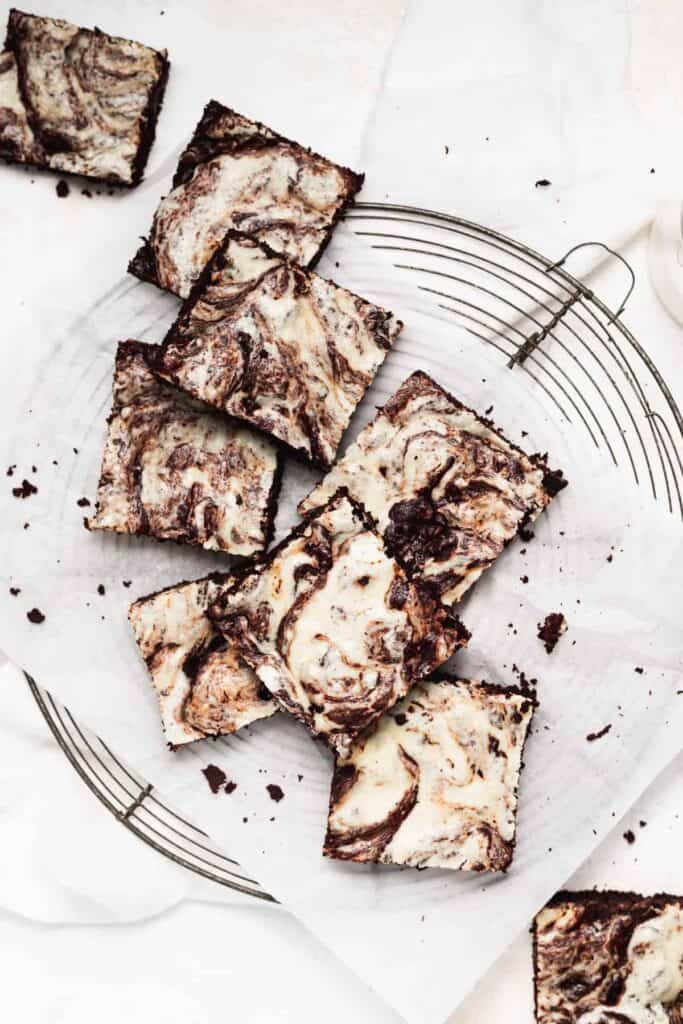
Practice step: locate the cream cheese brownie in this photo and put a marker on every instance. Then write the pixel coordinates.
(446, 490)
(277, 346)
(237, 173)
(605, 957)
(434, 785)
(204, 687)
(175, 470)
(332, 626)
(77, 100)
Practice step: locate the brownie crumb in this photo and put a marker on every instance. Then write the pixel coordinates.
(542, 183)
(62, 188)
(215, 777)
(526, 535)
(26, 526)
(524, 579)
(15, 591)
(400, 718)
(300, 778)
(10, 469)
(629, 836)
(86, 192)
(35, 616)
(275, 792)
(642, 824)
(101, 589)
(610, 558)
(83, 502)
(26, 489)
(230, 787)
(446, 150)
(592, 736)
(639, 669)
(126, 583)
(551, 629)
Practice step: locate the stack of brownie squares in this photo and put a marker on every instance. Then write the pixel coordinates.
(346, 622)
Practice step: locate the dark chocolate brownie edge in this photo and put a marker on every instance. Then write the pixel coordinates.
(354, 183)
(150, 115)
(215, 577)
(215, 110)
(150, 118)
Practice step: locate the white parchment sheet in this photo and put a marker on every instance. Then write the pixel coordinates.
(421, 939)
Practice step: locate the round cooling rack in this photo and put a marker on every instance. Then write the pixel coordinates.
(542, 322)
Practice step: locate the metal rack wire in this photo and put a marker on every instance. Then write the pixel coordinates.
(542, 322)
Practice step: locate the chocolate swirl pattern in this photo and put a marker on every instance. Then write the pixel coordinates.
(435, 784)
(239, 174)
(332, 627)
(204, 687)
(77, 100)
(446, 489)
(609, 958)
(277, 346)
(176, 471)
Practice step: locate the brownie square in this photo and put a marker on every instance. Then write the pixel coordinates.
(175, 470)
(77, 100)
(332, 626)
(435, 784)
(446, 489)
(237, 173)
(605, 957)
(277, 346)
(204, 687)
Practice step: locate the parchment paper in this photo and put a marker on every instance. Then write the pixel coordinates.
(421, 939)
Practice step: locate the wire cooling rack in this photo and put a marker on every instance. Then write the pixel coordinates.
(542, 322)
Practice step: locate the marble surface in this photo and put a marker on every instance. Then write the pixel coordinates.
(69, 906)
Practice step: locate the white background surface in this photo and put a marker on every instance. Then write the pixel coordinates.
(254, 963)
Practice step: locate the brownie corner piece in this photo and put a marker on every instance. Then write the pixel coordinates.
(236, 173)
(277, 346)
(77, 100)
(608, 955)
(203, 686)
(174, 470)
(447, 490)
(332, 626)
(435, 783)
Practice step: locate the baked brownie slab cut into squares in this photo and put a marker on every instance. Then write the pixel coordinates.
(175, 470)
(78, 100)
(606, 957)
(435, 784)
(277, 346)
(204, 687)
(332, 626)
(237, 173)
(446, 489)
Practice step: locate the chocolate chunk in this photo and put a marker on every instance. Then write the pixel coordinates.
(275, 792)
(215, 777)
(551, 629)
(25, 491)
(592, 736)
